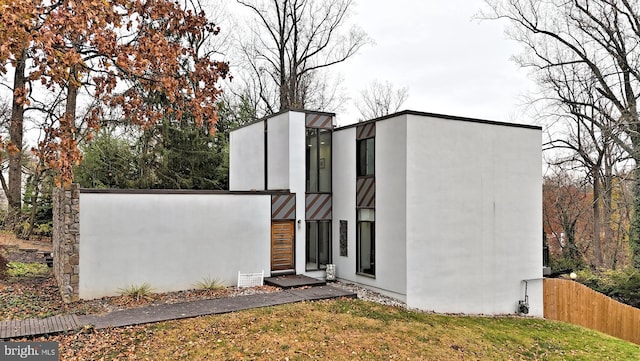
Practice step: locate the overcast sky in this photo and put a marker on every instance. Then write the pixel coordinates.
(451, 63)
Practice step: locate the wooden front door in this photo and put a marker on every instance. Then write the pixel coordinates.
(282, 246)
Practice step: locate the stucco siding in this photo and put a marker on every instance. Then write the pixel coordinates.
(390, 238)
(473, 216)
(246, 158)
(344, 200)
(297, 176)
(278, 139)
(391, 198)
(170, 241)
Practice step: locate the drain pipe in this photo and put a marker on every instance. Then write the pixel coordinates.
(523, 305)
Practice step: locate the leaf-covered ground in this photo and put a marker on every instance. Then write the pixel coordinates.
(334, 330)
(37, 295)
(345, 330)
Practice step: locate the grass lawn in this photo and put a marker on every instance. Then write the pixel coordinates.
(346, 330)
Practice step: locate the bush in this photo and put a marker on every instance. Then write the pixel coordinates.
(621, 285)
(210, 284)
(564, 264)
(137, 291)
(21, 269)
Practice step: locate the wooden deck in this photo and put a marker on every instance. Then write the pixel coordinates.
(34, 327)
(293, 281)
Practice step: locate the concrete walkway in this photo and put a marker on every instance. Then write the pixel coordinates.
(166, 312)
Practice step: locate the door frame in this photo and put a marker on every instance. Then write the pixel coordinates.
(279, 270)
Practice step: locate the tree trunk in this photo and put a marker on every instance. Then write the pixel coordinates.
(607, 202)
(34, 206)
(572, 247)
(597, 251)
(16, 132)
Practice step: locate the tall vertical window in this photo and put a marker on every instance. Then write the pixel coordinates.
(366, 156)
(318, 160)
(318, 247)
(366, 242)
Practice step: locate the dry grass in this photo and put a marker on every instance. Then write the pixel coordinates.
(346, 330)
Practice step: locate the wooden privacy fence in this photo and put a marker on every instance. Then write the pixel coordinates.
(572, 302)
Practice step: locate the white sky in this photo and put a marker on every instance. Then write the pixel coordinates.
(451, 63)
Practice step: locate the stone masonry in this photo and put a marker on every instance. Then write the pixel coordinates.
(66, 240)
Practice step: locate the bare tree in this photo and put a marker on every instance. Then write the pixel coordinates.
(565, 207)
(380, 99)
(589, 147)
(291, 41)
(592, 42)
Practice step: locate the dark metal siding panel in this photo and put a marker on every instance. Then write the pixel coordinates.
(318, 207)
(323, 121)
(366, 192)
(366, 131)
(283, 206)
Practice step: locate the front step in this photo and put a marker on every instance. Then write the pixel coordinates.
(293, 281)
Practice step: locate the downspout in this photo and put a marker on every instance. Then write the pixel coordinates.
(266, 158)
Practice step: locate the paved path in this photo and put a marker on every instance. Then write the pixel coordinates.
(166, 312)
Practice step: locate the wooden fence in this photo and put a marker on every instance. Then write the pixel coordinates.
(572, 302)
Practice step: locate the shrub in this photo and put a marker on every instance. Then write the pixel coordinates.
(137, 291)
(20, 269)
(563, 264)
(621, 285)
(209, 283)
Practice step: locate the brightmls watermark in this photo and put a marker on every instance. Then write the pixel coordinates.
(42, 351)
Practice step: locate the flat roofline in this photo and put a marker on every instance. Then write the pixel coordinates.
(282, 112)
(179, 191)
(441, 116)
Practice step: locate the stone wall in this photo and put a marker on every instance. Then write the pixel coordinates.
(66, 240)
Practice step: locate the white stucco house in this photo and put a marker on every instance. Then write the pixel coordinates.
(442, 212)
(439, 211)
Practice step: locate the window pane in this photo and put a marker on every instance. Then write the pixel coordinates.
(366, 154)
(371, 156)
(312, 160)
(366, 248)
(324, 165)
(366, 214)
(362, 157)
(311, 246)
(324, 244)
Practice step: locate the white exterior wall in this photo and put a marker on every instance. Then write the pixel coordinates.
(171, 241)
(391, 212)
(474, 210)
(390, 173)
(278, 139)
(297, 145)
(344, 201)
(286, 149)
(246, 158)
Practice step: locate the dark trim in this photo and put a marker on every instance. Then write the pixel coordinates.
(248, 124)
(266, 117)
(365, 275)
(306, 165)
(179, 191)
(330, 244)
(441, 116)
(266, 155)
